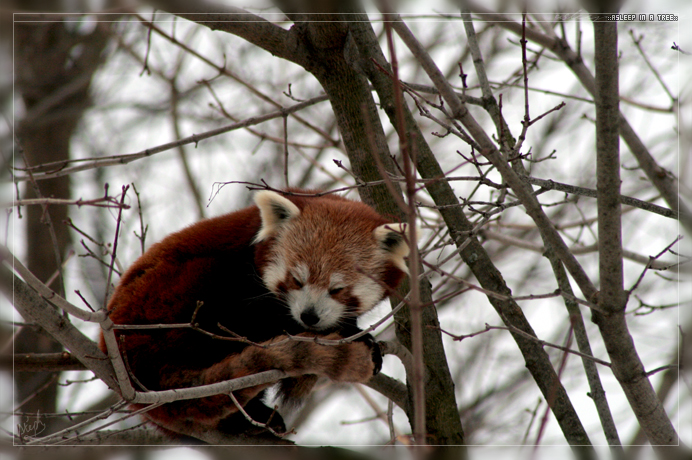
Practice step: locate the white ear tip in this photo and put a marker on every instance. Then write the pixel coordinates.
(397, 227)
(394, 237)
(264, 197)
(272, 203)
(275, 211)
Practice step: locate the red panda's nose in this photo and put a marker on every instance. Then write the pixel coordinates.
(309, 317)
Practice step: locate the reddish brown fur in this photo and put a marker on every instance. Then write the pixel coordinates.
(214, 261)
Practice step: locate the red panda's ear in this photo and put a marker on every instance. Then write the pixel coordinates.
(275, 211)
(392, 240)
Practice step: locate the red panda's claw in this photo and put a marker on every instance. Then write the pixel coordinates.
(376, 358)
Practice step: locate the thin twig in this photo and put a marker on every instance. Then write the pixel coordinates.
(543, 343)
(255, 422)
(60, 168)
(285, 124)
(125, 188)
(650, 264)
(637, 43)
(526, 122)
(224, 71)
(583, 191)
(551, 399)
(104, 202)
(101, 416)
(142, 229)
(408, 154)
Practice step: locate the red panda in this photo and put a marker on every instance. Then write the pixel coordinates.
(302, 265)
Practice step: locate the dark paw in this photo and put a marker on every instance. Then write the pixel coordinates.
(369, 340)
(376, 358)
(348, 328)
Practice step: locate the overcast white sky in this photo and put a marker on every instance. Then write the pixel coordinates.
(324, 427)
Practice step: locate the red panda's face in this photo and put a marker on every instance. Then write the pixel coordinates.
(331, 261)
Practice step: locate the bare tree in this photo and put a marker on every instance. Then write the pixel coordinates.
(54, 67)
(498, 137)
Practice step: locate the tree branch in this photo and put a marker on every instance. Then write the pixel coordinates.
(583, 191)
(626, 364)
(392, 388)
(658, 176)
(60, 168)
(34, 308)
(41, 362)
(237, 21)
(612, 296)
(577, 250)
(461, 230)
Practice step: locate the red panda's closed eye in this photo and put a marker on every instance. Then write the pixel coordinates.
(322, 262)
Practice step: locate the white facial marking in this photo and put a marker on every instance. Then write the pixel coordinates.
(368, 293)
(327, 309)
(336, 281)
(301, 272)
(274, 273)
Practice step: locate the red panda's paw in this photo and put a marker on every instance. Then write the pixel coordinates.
(369, 340)
(355, 361)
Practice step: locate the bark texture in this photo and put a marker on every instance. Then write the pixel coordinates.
(53, 69)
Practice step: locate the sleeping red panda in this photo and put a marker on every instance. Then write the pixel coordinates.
(301, 265)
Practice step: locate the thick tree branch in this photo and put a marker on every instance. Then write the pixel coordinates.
(460, 112)
(471, 251)
(626, 364)
(533, 208)
(658, 176)
(442, 421)
(612, 296)
(391, 388)
(34, 308)
(43, 319)
(45, 292)
(576, 319)
(644, 407)
(236, 21)
(608, 177)
(597, 392)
